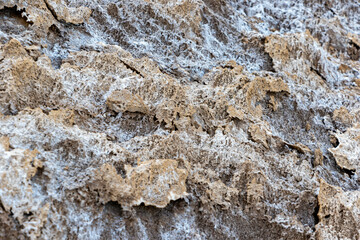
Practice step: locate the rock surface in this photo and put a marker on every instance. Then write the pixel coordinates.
(201, 119)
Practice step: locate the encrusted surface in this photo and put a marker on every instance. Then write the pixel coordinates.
(152, 182)
(204, 119)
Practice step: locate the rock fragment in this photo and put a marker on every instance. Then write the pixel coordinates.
(125, 101)
(152, 182)
(17, 167)
(338, 213)
(347, 153)
(68, 14)
(259, 134)
(318, 157)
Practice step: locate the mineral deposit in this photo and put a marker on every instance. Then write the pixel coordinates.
(186, 119)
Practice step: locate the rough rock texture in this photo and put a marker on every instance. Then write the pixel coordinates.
(191, 119)
(338, 213)
(152, 182)
(347, 153)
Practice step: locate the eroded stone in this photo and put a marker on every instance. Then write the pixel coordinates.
(152, 182)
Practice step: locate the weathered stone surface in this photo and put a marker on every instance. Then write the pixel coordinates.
(18, 166)
(36, 12)
(152, 182)
(203, 119)
(347, 153)
(338, 213)
(68, 14)
(124, 101)
(45, 13)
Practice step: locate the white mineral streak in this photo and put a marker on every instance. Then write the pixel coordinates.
(186, 119)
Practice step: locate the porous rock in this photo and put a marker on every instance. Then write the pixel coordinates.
(152, 182)
(205, 119)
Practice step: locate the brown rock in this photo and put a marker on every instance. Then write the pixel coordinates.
(69, 15)
(344, 68)
(337, 212)
(153, 182)
(259, 134)
(37, 13)
(17, 167)
(4, 143)
(234, 113)
(125, 101)
(318, 157)
(347, 153)
(65, 116)
(357, 81)
(198, 82)
(343, 115)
